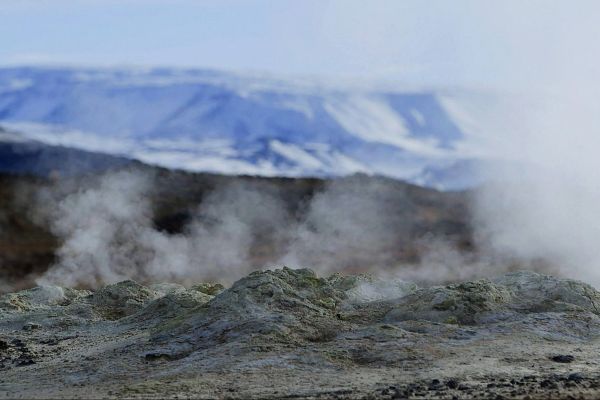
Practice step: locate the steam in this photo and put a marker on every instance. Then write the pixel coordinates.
(103, 229)
(109, 235)
(356, 224)
(352, 225)
(542, 200)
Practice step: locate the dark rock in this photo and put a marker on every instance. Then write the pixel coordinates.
(575, 377)
(30, 326)
(24, 360)
(158, 356)
(563, 358)
(435, 384)
(452, 383)
(548, 384)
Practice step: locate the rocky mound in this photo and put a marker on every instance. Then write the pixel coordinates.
(290, 333)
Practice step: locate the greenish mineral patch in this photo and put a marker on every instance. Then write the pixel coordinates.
(209, 288)
(121, 299)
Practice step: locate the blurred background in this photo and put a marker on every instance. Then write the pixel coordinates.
(187, 140)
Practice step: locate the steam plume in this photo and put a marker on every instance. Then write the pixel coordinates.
(352, 225)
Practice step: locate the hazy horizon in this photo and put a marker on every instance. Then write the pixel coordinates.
(464, 43)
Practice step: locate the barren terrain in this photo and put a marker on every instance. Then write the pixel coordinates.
(291, 334)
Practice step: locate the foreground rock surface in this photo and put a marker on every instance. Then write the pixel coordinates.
(289, 333)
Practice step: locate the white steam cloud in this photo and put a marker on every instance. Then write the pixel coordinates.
(542, 202)
(543, 199)
(353, 224)
(358, 224)
(108, 233)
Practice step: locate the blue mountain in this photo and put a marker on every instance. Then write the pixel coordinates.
(222, 122)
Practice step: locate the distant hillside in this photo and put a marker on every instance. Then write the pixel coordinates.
(225, 123)
(19, 155)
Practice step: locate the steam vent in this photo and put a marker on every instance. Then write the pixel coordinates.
(292, 334)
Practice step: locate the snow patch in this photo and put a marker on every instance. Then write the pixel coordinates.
(372, 120)
(417, 116)
(294, 153)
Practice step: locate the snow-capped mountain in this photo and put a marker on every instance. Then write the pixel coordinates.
(19, 155)
(219, 122)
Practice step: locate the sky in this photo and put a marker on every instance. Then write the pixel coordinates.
(435, 42)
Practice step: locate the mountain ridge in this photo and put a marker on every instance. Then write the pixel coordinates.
(218, 122)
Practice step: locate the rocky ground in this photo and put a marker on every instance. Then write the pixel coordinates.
(290, 334)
